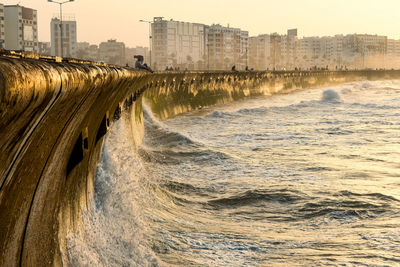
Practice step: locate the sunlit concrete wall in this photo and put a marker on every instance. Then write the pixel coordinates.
(53, 117)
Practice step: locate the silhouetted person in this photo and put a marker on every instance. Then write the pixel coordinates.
(234, 68)
(139, 64)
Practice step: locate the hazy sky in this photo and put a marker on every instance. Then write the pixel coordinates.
(100, 20)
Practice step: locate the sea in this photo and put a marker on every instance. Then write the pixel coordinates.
(309, 178)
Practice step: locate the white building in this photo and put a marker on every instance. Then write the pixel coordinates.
(177, 44)
(289, 44)
(310, 50)
(260, 52)
(226, 47)
(21, 32)
(393, 54)
(112, 52)
(274, 51)
(365, 50)
(69, 37)
(334, 52)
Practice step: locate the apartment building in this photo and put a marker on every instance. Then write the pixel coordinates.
(226, 47)
(365, 50)
(273, 51)
(393, 54)
(112, 52)
(20, 28)
(177, 44)
(260, 52)
(64, 38)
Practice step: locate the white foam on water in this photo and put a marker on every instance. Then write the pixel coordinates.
(345, 91)
(330, 96)
(366, 85)
(114, 229)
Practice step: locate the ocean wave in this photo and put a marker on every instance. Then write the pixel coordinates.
(366, 85)
(330, 96)
(375, 106)
(347, 205)
(159, 134)
(188, 189)
(176, 156)
(341, 210)
(114, 228)
(252, 197)
(258, 110)
(216, 114)
(373, 196)
(345, 91)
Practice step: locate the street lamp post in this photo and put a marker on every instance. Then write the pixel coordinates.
(246, 59)
(149, 22)
(208, 56)
(61, 28)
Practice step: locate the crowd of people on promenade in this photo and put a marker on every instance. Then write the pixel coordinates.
(139, 64)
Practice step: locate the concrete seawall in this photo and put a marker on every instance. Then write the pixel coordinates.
(53, 117)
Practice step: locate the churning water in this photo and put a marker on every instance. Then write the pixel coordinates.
(308, 178)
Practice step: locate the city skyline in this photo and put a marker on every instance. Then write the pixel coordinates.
(312, 18)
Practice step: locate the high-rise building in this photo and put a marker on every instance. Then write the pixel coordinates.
(2, 27)
(177, 44)
(393, 54)
(273, 51)
(226, 47)
(21, 32)
(365, 50)
(68, 39)
(289, 44)
(260, 52)
(112, 52)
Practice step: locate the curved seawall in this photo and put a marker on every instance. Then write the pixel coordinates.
(53, 117)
